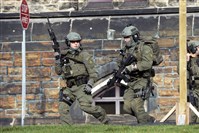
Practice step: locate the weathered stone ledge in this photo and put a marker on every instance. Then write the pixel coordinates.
(146, 11)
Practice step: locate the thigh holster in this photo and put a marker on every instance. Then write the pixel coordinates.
(64, 98)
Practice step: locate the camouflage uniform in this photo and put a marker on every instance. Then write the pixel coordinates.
(139, 78)
(194, 67)
(195, 70)
(77, 73)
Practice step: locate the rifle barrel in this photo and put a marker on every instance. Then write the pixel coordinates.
(49, 24)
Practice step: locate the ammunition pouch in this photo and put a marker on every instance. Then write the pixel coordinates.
(138, 93)
(79, 80)
(66, 71)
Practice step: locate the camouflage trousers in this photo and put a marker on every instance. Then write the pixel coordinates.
(194, 118)
(85, 103)
(134, 104)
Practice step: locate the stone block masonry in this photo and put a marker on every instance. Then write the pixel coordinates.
(38, 6)
(42, 82)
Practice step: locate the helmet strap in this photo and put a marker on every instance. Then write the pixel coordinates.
(67, 42)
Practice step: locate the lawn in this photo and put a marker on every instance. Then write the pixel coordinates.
(102, 129)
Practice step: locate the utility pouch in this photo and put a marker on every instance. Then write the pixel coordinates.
(138, 93)
(67, 71)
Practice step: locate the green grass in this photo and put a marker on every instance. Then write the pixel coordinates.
(101, 129)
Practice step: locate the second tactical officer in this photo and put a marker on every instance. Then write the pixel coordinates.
(193, 70)
(77, 69)
(139, 74)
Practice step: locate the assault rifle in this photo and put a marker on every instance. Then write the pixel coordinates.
(119, 75)
(55, 45)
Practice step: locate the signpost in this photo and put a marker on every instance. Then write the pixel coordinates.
(24, 14)
(24, 17)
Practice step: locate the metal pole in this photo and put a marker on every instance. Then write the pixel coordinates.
(23, 79)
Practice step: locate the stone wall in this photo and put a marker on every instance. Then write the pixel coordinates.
(42, 82)
(37, 6)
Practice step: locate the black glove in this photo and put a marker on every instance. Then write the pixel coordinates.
(88, 89)
(131, 68)
(89, 86)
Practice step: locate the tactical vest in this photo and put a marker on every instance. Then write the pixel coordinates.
(135, 50)
(195, 67)
(74, 68)
(137, 53)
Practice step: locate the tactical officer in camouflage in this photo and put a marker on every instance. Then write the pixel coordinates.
(193, 68)
(77, 69)
(139, 74)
